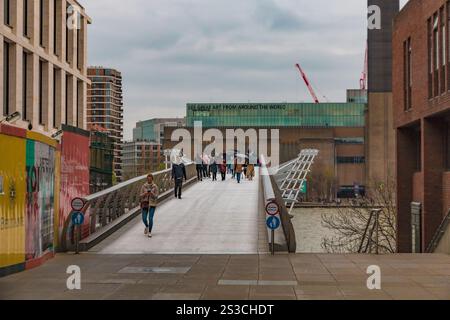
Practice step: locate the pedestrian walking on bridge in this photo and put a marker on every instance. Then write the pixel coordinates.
(213, 167)
(148, 196)
(223, 170)
(238, 168)
(178, 173)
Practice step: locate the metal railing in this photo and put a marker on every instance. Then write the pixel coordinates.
(373, 226)
(272, 193)
(105, 207)
(439, 234)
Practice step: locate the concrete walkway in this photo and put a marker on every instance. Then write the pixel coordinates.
(241, 277)
(212, 218)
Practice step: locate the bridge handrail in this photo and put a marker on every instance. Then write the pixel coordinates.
(272, 193)
(104, 207)
(440, 231)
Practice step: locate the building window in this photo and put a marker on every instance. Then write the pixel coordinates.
(24, 86)
(55, 87)
(7, 12)
(350, 160)
(79, 101)
(443, 52)
(56, 26)
(68, 35)
(41, 91)
(41, 22)
(407, 68)
(356, 140)
(436, 55)
(447, 146)
(6, 70)
(26, 17)
(80, 44)
(430, 59)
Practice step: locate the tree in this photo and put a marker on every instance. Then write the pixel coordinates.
(351, 224)
(322, 183)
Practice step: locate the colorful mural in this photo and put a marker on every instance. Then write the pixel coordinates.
(40, 169)
(74, 173)
(38, 175)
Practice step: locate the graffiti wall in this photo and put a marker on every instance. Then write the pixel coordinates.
(38, 180)
(27, 198)
(40, 173)
(12, 200)
(74, 173)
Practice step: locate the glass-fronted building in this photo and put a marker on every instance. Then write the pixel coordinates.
(262, 115)
(153, 129)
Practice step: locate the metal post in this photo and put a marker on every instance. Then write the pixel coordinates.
(376, 234)
(273, 242)
(77, 239)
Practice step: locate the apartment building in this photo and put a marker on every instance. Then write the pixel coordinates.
(43, 72)
(105, 108)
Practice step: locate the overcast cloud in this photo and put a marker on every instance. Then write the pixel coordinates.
(179, 51)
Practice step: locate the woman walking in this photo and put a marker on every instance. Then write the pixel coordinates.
(148, 196)
(250, 171)
(238, 170)
(223, 170)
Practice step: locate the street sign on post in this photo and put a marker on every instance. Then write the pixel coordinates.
(77, 220)
(272, 208)
(273, 223)
(77, 204)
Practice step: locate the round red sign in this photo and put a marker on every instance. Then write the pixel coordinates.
(272, 208)
(77, 204)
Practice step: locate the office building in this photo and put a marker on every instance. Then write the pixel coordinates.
(153, 129)
(140, 158)
(43, 72)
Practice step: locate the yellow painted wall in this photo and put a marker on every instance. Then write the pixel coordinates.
(12, 209)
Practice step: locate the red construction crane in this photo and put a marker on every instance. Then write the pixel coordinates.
(363, 80)
(308, 84)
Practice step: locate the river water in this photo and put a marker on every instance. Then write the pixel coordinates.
(309, 231)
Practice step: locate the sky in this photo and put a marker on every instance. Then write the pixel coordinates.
(179, 51)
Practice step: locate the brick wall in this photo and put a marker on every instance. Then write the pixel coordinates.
(431, 187)
(446, 192)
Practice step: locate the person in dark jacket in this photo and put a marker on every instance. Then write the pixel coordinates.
(199, 168)
(178, 173)
(223, 170)
(213, 168)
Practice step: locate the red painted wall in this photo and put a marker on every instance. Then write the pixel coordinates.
(74, 174)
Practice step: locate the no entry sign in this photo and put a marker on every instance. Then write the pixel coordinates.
(77, 204)
(272, 208)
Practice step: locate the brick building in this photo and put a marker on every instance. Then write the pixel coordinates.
(140, 158)
(337, 130)
(380, 141)
(421, 85)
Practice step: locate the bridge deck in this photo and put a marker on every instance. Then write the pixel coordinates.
(213, 217)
